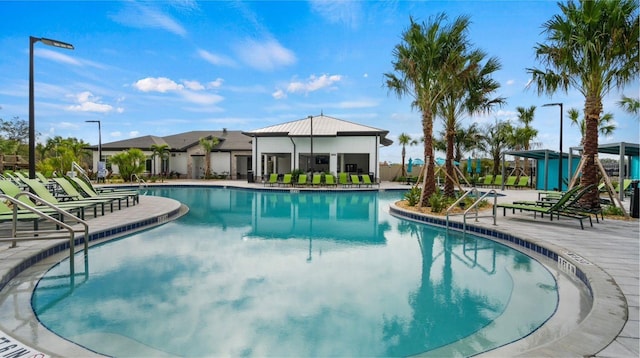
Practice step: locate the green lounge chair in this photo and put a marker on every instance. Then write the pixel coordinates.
(497, 182)
(511, 181)
(558, 208)
(302, 180)
(575, 206)
(10, 189)
(286, 180)
(355, 180)
(41, 191)
(330, 180)
(366, 180)
(523, 182)
(488, 181)
(273, 179)
(89, 191)
(343, 179)
(316, 180)
(71, 192)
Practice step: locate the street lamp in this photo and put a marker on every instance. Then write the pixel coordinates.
(99, 140)
(560, 158)
(32, 124)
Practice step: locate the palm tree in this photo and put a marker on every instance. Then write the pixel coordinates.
(471, 86)
(420, 72)
(404, 139)
(158, 150)
(495, 139)
(208, 143)
(605, 125)
(527, 133)
(592, 47)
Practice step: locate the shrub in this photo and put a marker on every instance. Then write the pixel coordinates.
(612, 210)
(413, 195)
(437, 201)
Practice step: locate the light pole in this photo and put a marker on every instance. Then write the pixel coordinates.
(32, 120)
(99, 140)
(560, 158)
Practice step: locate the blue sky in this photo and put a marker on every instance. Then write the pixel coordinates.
(165, 67)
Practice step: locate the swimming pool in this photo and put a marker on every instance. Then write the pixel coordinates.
(264, 273)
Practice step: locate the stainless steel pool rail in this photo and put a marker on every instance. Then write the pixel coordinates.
(62, 229)
(140, 181)
(473, 192)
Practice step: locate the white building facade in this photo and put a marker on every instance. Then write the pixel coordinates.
(317, 144)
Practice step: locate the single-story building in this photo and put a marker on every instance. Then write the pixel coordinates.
(314, 144)
(317, 144)
(231, 157)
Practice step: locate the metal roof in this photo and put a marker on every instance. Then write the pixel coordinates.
(229, 141)
(320, 126)
(536, 154)
(630, 149)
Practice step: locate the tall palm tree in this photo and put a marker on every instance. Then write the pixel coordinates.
(404, 139)
(471, 88)
(527, 133)
(592, 47)
(208, 143)
(160, 151)
(606, 127)
(420, 72)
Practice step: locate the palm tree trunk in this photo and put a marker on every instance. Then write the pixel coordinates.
(429, 183)
(404, 152)
(448, 182)
(593, 108)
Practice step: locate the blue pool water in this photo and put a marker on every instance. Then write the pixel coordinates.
(257, 273)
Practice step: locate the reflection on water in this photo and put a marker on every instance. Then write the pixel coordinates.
(306, 274)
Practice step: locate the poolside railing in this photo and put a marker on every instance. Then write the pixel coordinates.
(62, 231)
(473, 193)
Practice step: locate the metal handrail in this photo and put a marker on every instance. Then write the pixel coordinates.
(474, 206)
(76, 166)
(138, 179)
(45, 234)
(460, 199)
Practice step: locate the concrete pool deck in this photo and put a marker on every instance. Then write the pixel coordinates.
(611, 247)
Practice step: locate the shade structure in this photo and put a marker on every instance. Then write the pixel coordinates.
(469, 168)
(418, 161)
(440, 162)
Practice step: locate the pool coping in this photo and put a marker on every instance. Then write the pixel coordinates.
(609, 306)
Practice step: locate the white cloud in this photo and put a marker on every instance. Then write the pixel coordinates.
(366, 75)
(87, 102)
(265, 55)
(157, 84)
(313, 83)
(510, 82)
(133, 134)
(57, 56)
(215, 84)
(201, 98)
(338, 11)
(193, 85)
(143, 16)
(116, 134)
(216, 59)
(279, 94)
